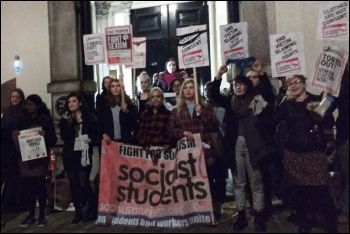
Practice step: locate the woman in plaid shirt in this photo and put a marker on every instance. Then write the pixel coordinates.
(187, 118)
(153, 121)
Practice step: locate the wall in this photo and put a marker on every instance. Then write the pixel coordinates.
(303, 17)
(25, 32)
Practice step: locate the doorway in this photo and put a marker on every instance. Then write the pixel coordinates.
(158, 24)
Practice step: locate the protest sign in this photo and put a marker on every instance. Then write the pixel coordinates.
(172, 194)
(32, 144)
(94, 49)
(287, 54)
(234, 41)
(139, 50)
(333, 21)
(329, 69)
(192, 48)
(119, 44)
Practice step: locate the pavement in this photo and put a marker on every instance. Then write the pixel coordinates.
(60, 222)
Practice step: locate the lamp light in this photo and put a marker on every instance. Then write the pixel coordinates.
(17, 65)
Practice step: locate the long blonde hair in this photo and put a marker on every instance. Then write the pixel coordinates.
(182, 101)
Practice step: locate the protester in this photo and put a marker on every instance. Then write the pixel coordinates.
(342, 143)
(304, 159)
(251, 144)
(188, 118)
(78, 132)
(152, 129)
(101, 97)
(144, 83)
(34, 171)
(164, 79)
(10, 175)
(118, 119)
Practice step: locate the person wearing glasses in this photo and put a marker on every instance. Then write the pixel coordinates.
(304, 155)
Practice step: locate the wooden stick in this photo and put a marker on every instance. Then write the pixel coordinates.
(195, 88)
(133, 82)
(98, 78)
(121, 80)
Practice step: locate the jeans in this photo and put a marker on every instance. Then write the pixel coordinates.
(254, 176)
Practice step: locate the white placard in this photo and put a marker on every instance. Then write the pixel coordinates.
(234, 41)
(94, 49)
(287, 54)
(32, 144)
(192, 49)
(333, 21)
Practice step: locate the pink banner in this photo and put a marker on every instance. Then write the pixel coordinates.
(173, 194)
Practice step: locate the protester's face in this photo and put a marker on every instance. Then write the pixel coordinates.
(254, 77)
(296, 86)
(115, 88)
(15, 98)
(171, 66)
(156, 98)
(106, 83)
(176, 87)
(144, 83)
(73, 104)
(207, 91)
(188, 91)
(31, 107)
(240, 89)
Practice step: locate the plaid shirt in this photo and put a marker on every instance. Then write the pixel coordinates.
(205, 124)
(152, 127)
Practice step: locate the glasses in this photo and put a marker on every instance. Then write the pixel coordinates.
(294, 82)
(254, 77)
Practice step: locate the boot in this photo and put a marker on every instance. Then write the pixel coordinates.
(241, 221)
(259, 222)
(78, 215)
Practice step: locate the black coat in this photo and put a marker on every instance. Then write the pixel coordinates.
(67, 133)
(128, 123)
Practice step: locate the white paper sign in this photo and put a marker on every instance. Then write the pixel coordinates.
(287, 54)
(94, 49)
(193, 46)
(32, 144)
(119, 44)
(234, 41)
(139, 49)
(333, 21)
(329, 69)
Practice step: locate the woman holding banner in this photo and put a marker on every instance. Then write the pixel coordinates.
(164, 79)
(188, 118)
(119, 119)
(78, 131)
(34, 171)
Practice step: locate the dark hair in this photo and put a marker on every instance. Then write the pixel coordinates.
(42, 108)
(103, 80)
(113, 101)
(174, 80)
(166, 64)
(84, 107)
(245, 80)
(16, 110)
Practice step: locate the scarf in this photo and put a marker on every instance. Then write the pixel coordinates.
(240, 105)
